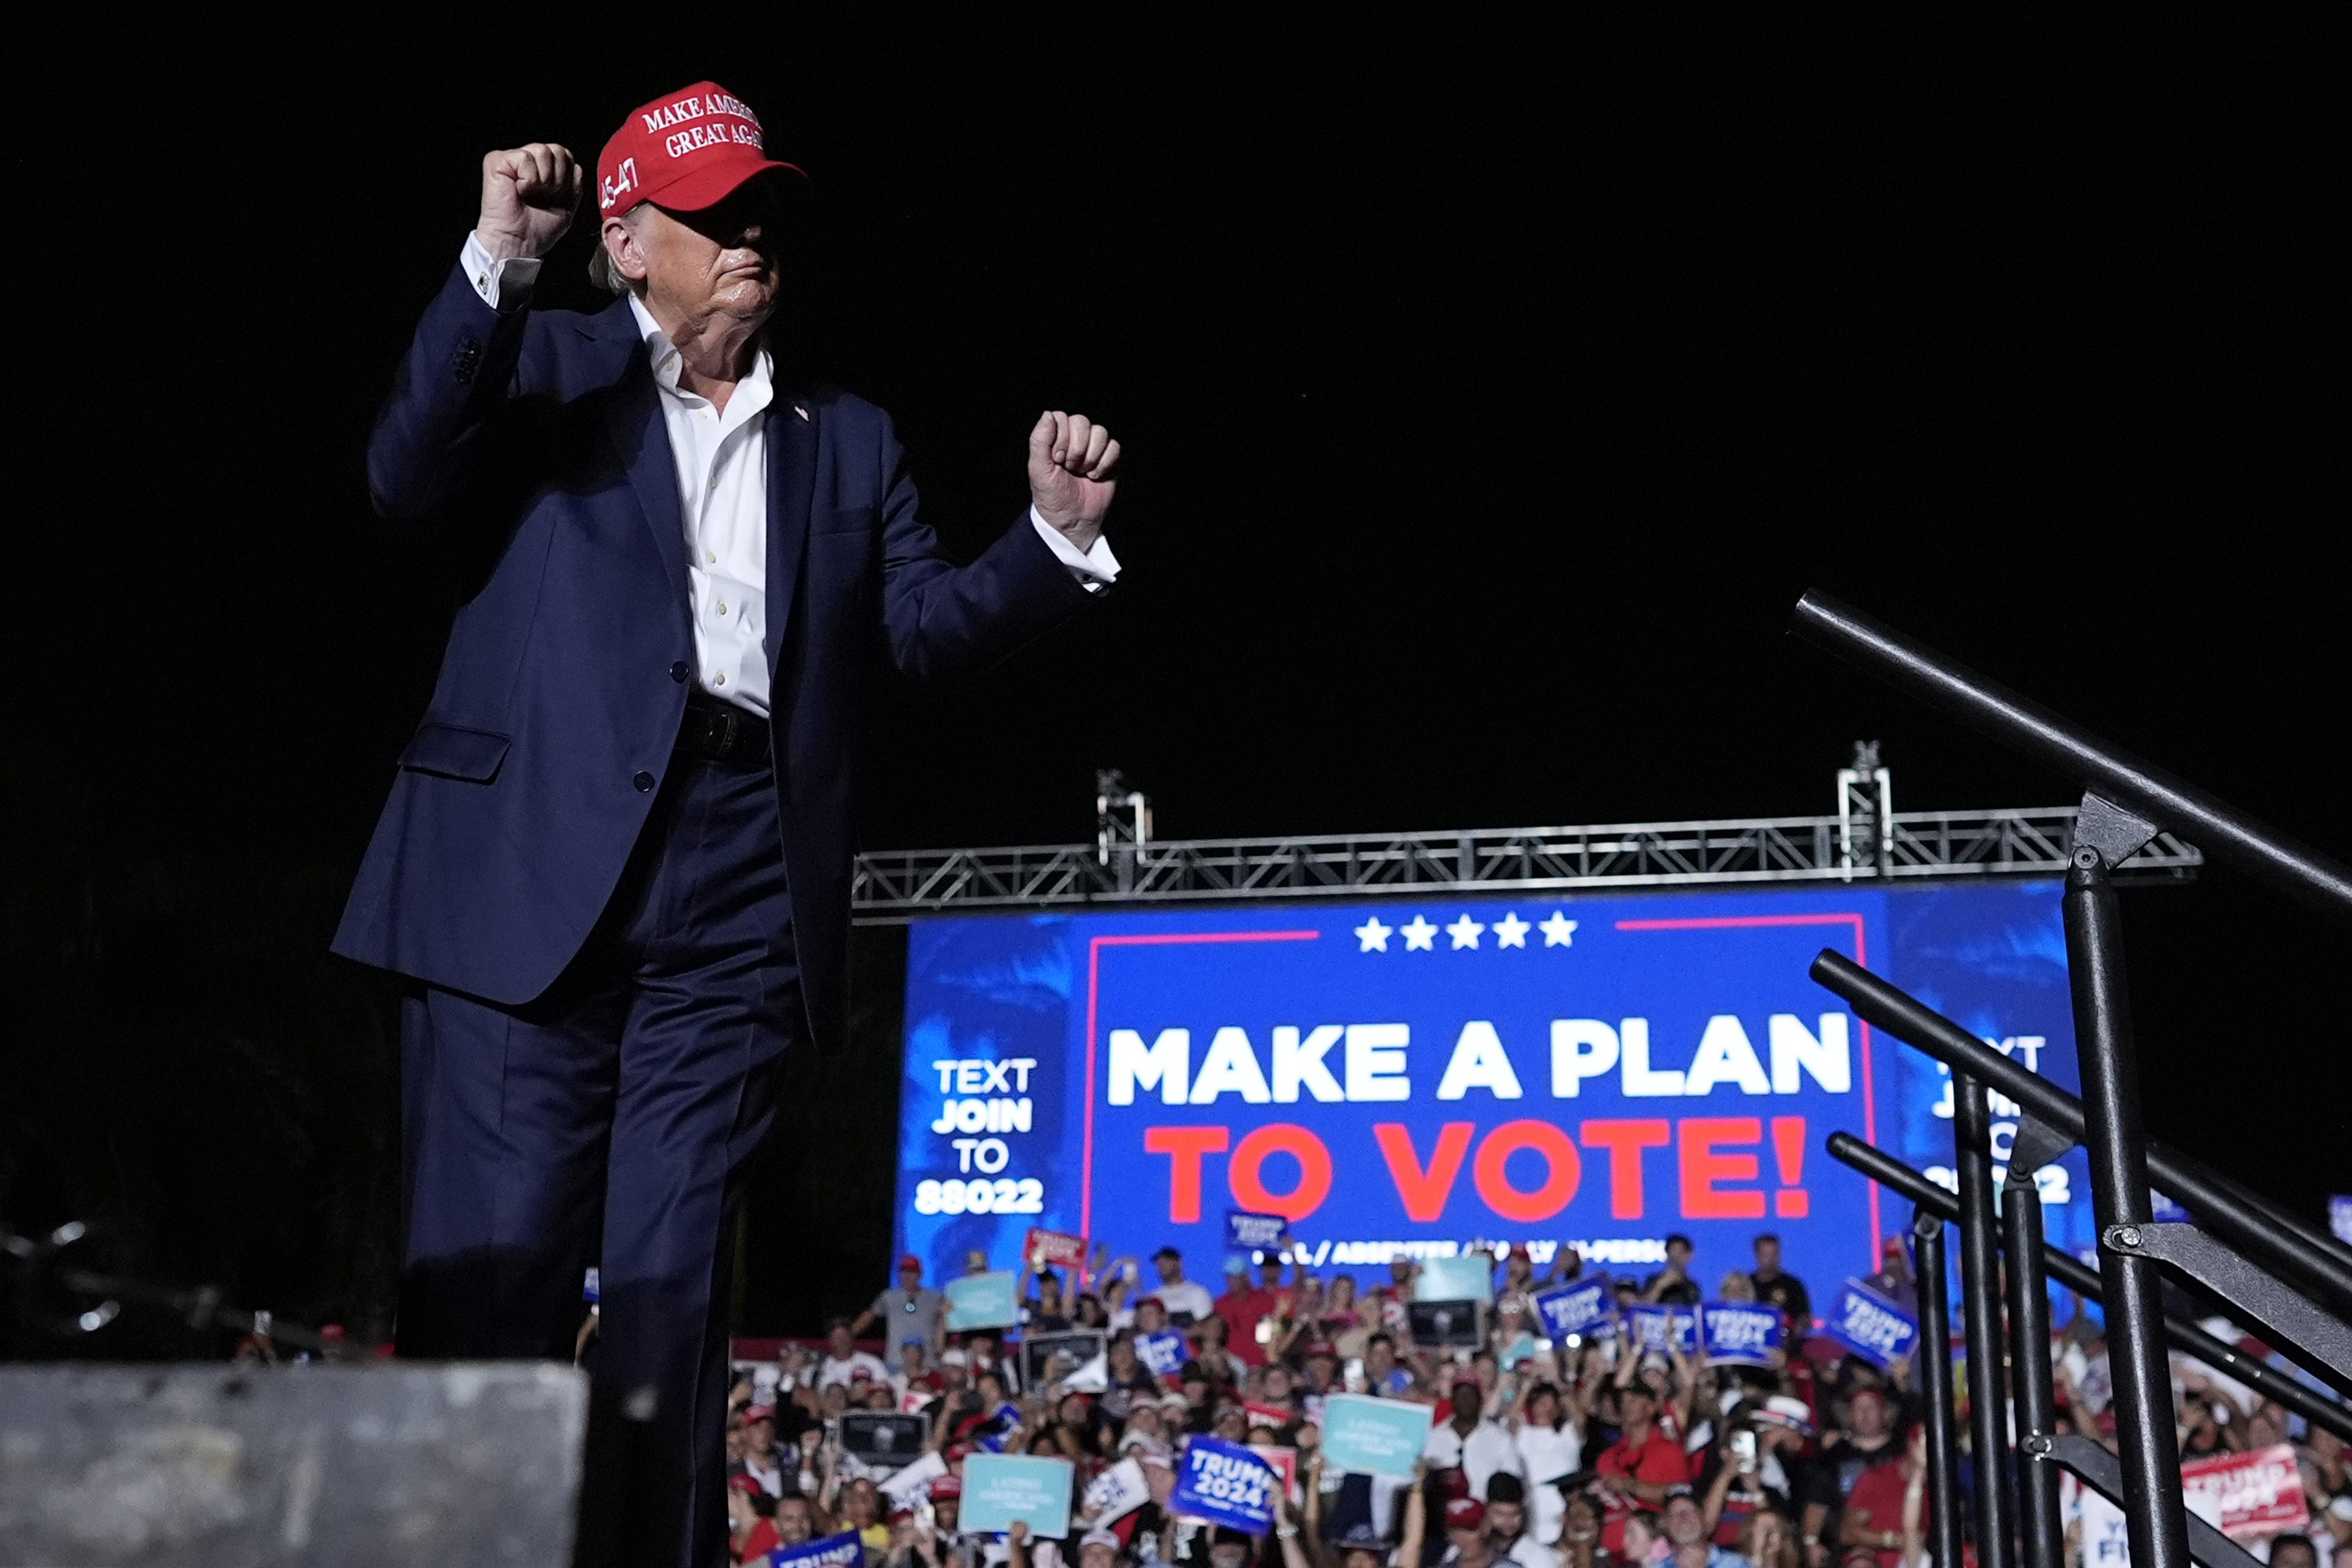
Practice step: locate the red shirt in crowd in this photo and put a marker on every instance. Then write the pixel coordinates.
(1242, 1311)
(761, 1541)
(1876, 1503)
(1659, 1460)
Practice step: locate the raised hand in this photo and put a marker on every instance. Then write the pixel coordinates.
(1071, 463)
(528, 195)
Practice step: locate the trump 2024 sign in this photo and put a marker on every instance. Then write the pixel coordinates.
(1416, 1074)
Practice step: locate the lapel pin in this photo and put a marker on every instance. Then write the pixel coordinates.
(799, 410)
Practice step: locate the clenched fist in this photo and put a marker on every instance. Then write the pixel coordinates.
(1071, 463)
(528, 195)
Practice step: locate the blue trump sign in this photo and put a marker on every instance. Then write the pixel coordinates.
(1739, 1333)
(1873, 1326)
(1584, 1309)
(1163, 1353)
(1656, 1328)
(843, 1551)
(1254, 1232)
(1226, 1484)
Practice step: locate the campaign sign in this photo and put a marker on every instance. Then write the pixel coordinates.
(882, 1438)
(1443, 1324)
(1739, 1333)
(1869, 1325)
(1652, 1327)
(1274, 1415)
(1048, 1359)
(1226, 1484)
(983, 1301)
(1246, 1232)
(1117, 1492)
(2247, 1496)
(1001, 1487)
(1163, 1353)
(1467, 1277)
(901, 1487)
(843, 1551)
(1373, 1437)
(1047, 1249)
(1581, 1309)
(1286, 1465)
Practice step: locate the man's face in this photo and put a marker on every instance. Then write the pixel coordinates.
(1470, 1549)
(1685, 1523)
(1466, 1401)
(1269, 1274)
(725, 261)
(759, 1437)
(792, 1516)
(1380, 1356)
(1505, 1520)
(1678, 1253)
(840, 1341)
(2293, 1552)
(1399, 1270)
(1096, 1555)
(1768, 1255)
(1635, 1403)
(1867, 1414)
(1150, 1316)
(910, 1279)
(1171, 1269)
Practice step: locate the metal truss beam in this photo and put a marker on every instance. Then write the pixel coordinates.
(895, 886)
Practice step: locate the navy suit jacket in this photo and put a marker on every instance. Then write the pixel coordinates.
(538, 435)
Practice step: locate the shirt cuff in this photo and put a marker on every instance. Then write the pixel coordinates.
(1095, 569)
(490, 276)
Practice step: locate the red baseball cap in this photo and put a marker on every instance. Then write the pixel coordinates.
(911, 1260)
(689, 150)
(1465, 1513)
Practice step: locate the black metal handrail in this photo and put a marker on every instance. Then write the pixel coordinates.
(2081, 1277)
(2216, 828)
(2255, 1225)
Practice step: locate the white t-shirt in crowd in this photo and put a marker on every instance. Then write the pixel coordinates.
(1546, 1455)
(1487, 1449)
(847, 1367)
(1183, 1296)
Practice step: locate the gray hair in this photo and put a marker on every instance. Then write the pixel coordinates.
(600, 271)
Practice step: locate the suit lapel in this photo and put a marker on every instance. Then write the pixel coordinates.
(791, 487)
(633, 420)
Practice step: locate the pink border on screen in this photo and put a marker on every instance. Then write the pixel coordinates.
(1860, 957)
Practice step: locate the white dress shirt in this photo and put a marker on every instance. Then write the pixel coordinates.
(721, 457)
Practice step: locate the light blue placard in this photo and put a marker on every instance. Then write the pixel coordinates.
(1001, 1487)
(1373, 1437)
(1467, 1278)
(982, 1301)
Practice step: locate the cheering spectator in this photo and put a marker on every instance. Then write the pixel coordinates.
(1673, 1285)
(2293, 1551)
(1044, 1312)
(751, 1521)
(1777, 1288)
(1342, 1323)
(1640, 1468)
(1185, 1301)
(1767, 1540)
(1579, 1532)
(1685, 1528)
(1883, 1510)
(1209, 1349)
(1550, 1441)
(760, 1463)
(1467, 1441)
(1864, 1442)
(1643, 1540)
(1465, 1534)
(908, 1311)
(843, 1360)
(1382, 1376)
(1244, 1306)
(1508, 1526)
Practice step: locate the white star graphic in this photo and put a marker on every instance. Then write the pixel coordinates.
(1511, 931)
(1373, 935)
(1465, 933)
(1558, 931)
(1419, 936)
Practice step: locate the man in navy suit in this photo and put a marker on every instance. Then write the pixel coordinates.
(616, 864)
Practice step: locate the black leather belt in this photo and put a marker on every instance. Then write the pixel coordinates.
(721, 733)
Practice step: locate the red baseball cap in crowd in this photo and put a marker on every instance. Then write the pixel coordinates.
(1465, 1513)
(688, 150)
(911, 1260)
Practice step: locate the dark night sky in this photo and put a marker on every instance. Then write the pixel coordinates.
(1490, 400)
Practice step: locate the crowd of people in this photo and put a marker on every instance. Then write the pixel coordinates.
(1592, 1452)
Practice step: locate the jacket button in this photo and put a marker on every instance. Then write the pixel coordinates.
(679, 671)
(644, 781)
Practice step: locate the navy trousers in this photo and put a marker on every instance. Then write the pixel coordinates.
(609, 1122)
